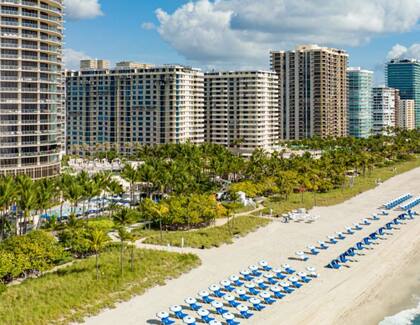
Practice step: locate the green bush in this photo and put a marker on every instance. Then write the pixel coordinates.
(37, 251)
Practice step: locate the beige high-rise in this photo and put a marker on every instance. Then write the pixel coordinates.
(31, 87)
(405, 114)
(242, 110)
(119, 109)
(312, 91)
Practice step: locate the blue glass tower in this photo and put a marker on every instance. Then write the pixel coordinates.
(404, 75)
(360, 102)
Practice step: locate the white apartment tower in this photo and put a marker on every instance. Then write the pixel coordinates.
(119, 109)
(31, 90)
(385, 102)
(242, 110)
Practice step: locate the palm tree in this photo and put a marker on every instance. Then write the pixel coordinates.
(45, 194)
(97, 240)
(26, 198)
(123, 235)
(122, 217)
(7, 196)
(131, 175)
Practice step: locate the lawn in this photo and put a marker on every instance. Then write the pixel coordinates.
(72, 293)
(209, 237)
(361, 184)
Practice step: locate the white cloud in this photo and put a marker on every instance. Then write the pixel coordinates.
(71, 58)
(235, 31)
(148, 26)
(82, 9)
(401, 52)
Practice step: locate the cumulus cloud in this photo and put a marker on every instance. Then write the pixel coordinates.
(71, 58)
(401, 52)
(82, 9)
(244, 30)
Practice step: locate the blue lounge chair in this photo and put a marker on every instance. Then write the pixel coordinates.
(366, 241)
(231, 301)
(304, 277)
(164, 318)
(218, 306)
(313, 250)
(340, 236)
(244, 311)
(256, 304)
(332, 240)
(235, 280)
(322, 245)
(396, 221)
(265, 266)
(295, 282)
(350, 230)
(288, 269)
(381, 231)
(334, 264)
(230, 319)
(192, 302)
(178, 312)
(242, 294)
(260, 283)
(350, 252)
(205, 315)
(359, 246)
(266, 296)
(227, 285)
(343, 258)
(189, 320)
(279, 274)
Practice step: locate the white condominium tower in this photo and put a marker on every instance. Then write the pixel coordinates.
(31, 87)
(130, 105)
(385, 103)
(242, 110)
(312, 91)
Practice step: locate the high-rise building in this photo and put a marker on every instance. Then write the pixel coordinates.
(31, 87)
(404, 75)
(360, 102)
(242, 110)
(91, 64)
(405, 114)
(118, 109)
(385, 102)
(312, 91)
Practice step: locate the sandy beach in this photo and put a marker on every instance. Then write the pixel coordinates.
(373, 285)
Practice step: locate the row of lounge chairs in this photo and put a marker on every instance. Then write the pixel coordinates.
(394, 203)
(240, 296)
(410, 205)
(367, 241)
(334, 239)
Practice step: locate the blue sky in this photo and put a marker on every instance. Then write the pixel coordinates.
(238, 34)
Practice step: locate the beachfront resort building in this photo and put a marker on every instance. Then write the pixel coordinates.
(130, 105)
(312, 91)
(404, 75)
(360, 102)
(405, 114)
(385, 102)
(31, 101)
(242, 110)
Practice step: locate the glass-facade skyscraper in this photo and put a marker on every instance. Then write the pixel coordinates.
(404, 75)
(360, 102)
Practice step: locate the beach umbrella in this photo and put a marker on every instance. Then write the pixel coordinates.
(240, 291)
(214, 287)
(215, 322)
(253, 268)
(217, 304)
(234, 278)
(229, 297)
(189, 320)
(176, 308)
(263, 263)
(300, 253)
(204, 293)
(225, 283)
(203, 312)
(190, 301)
(250, 285)
(228, 316)
(258, 281)
(265, 294)
(275, 289)
(302, 274)
(162, 315)
(254, 301)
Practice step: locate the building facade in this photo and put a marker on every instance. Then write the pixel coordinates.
(31, 91)
(242, 110)
(119, 109)
(385, 102)
(312, 91)
(405, 115)
(360, 102)
(94, 64)
(404, 75)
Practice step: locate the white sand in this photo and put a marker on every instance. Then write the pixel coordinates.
(359, 294)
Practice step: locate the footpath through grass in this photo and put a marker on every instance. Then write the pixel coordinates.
(336, 196)
(73, 292)
(209, 237)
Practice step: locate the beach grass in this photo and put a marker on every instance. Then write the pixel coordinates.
(361, 184)
(209, 237)
(72, 293)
